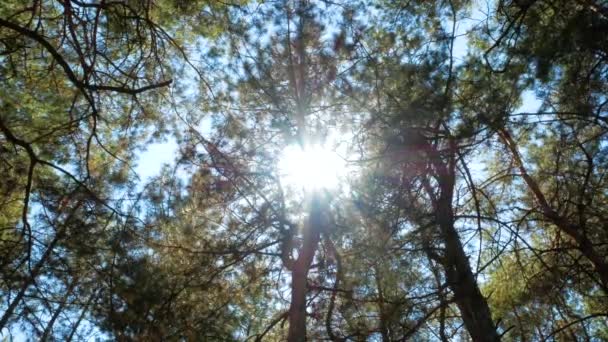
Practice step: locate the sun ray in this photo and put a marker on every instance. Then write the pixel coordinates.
(311, 167)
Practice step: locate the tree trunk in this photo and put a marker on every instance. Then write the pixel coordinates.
(299, 274)
(473, 307)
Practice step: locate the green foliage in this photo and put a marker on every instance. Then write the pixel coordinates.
(463, 216)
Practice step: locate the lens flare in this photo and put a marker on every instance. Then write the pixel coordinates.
(310, 168)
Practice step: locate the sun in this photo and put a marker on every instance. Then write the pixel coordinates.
(311, 167)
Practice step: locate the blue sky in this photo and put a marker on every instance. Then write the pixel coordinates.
(149, 162)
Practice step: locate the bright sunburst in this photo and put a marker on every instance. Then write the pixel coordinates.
(312, 167)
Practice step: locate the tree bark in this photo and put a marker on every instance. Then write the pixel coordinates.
(299, 274)
(473, 307)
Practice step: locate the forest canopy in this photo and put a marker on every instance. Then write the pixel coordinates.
(347, 170)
